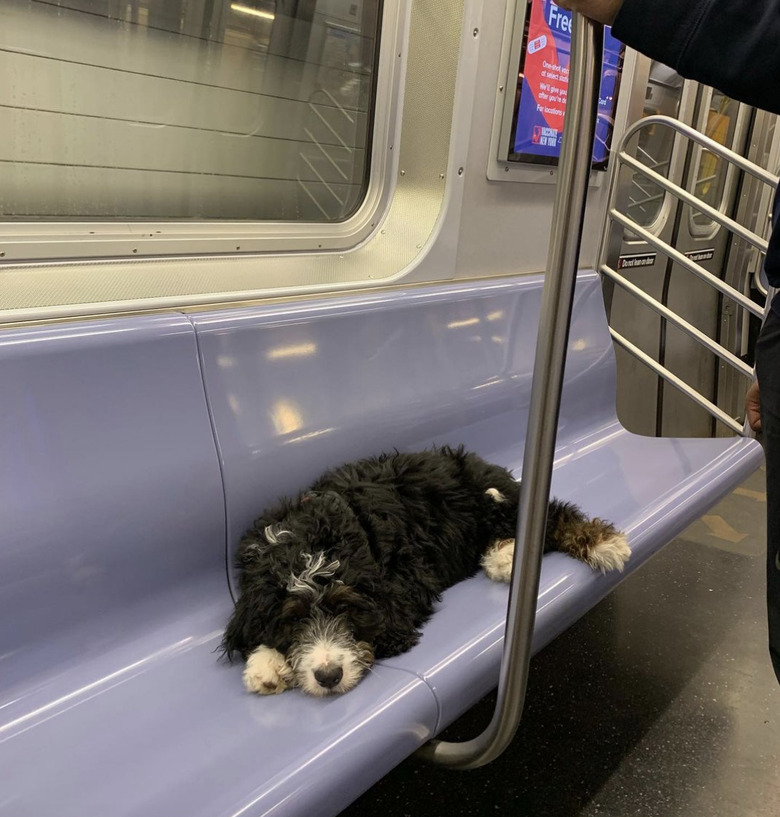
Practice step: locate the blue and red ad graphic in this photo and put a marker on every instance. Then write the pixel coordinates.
(545, 82)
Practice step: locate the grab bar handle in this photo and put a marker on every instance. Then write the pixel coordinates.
(552, 340)
(710, 145)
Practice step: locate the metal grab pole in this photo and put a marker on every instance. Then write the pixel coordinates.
(552, 340)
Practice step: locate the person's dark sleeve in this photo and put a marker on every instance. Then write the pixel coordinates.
(733, 45)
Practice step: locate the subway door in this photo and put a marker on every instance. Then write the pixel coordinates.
(663, 92)
(753, 207)
(716, 183)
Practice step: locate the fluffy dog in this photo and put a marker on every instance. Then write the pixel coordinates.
(349, 570)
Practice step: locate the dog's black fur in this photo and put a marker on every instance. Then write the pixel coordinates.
(372, 545)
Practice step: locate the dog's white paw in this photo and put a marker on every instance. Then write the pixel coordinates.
(611, 554)
(497, 561)
(267, 672)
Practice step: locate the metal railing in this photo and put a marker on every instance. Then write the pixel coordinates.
(624, 222)
(554, 321)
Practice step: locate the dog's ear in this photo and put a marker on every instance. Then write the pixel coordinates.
(240, 632)
(255, 618)
(361, 611)
(376, 627)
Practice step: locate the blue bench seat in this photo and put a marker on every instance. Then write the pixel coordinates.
(136, 451)
(459, 655)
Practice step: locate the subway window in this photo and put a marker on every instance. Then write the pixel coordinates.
(655, 145)
(720, 122)
(186, 109)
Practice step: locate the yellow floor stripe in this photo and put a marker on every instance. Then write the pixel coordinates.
(759, 496)
(721, 529)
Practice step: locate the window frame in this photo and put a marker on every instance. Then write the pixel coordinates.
(685, 113)
(83, 240)
(741, 122)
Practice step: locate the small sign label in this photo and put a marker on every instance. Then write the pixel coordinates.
(701, 255)
(646, 259)
(537, 44)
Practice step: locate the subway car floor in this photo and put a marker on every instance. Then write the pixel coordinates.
(661, 702)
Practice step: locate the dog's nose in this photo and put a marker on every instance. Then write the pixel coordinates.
(328, 676)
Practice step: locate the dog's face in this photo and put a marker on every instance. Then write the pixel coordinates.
(311, 607)
(329, 631)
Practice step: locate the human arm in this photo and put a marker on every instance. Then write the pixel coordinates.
(753, 407)
(729, 44)
(602, 11)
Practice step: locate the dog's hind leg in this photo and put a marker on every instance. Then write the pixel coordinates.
(267, 672)
(594, 541)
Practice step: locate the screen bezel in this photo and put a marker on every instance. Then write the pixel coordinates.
(552, 161)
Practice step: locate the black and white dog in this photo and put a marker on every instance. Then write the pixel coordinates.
(349, 570)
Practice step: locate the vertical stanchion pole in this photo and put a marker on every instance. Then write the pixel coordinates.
(552, 340)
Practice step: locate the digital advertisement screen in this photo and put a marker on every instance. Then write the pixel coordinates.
(540, 101)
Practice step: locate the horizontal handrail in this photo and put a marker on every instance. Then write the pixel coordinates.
(648, 199)
(624, 220)
(710, 144)
(679, 384)
(683, 261)
(681, 193)
(673, 318)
